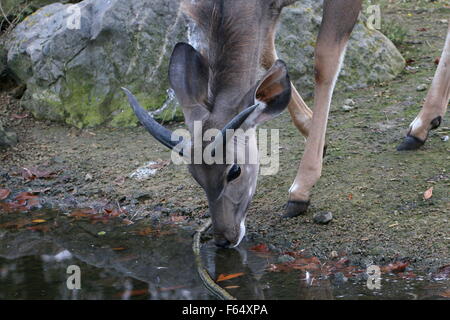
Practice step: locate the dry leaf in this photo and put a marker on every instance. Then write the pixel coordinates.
(260, 248)
(223, 277)
(395, 267)
(4, 193)
(39, 221)
(445, 294)
(428, 194)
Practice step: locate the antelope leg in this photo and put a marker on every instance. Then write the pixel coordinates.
(435, 106)
(300, 113)
(339, 18)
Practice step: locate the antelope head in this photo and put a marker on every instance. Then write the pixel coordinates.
(212, 93)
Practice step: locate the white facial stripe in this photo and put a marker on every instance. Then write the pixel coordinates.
(241, 234)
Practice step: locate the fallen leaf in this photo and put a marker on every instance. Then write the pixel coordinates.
(127, 221)
(223, 277)
(101, 233)
(80, 213)
(19, 116)
(171, 288)
(445, 294)
(393, 225)
(4, 193)
(260, 248)
(39, 221)
(428, 194)
(350, 196)
(134, 293)
(43, 228)
(26, 196)
(30, 174)
(395, 267)
(442, 273)
(177, 218)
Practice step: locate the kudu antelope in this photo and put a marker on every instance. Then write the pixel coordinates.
(224, 88)
(220, 87)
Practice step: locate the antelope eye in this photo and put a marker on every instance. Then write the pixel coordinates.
(234, 173)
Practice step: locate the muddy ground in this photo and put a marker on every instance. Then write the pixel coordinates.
(374, 192)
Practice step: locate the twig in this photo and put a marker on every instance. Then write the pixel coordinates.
(209, 283)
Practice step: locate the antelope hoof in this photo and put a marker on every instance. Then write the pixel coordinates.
(296, 208)
(413, 143)
(410, 143)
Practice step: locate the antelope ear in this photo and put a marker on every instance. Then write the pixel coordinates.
(188, 75)
(273, 93)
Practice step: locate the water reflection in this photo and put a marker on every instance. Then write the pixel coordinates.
(156, 262)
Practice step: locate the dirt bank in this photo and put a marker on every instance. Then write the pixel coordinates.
(374, 192)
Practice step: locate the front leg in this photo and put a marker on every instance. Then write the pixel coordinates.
(339, 19)
(436, 102)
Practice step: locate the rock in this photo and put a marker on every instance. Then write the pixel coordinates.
(7, 138)
(421, 87)
(323, 217)
(347, 108)
(334, 254)
(370, 58)
(88, 177)
(350, 102)
(74, 75)
(285, 258)
(445, 138)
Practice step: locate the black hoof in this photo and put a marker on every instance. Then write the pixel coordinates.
(296, 208)
(410, 143)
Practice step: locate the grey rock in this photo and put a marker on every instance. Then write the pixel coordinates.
(421, 87)
(350, 102)
(323, 217)
(370, 58)
(75, 75)
(74, 71)
(347, 108)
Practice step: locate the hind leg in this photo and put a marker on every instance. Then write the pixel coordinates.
(435, 106)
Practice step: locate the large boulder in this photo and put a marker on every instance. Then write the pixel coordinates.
(7, 138)
(75, 75)
(370, 58)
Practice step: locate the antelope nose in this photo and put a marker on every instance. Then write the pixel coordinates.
(222, 243)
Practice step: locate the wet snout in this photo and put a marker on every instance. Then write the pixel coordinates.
(230, 238)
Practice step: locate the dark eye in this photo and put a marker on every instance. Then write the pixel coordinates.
(234, 173)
